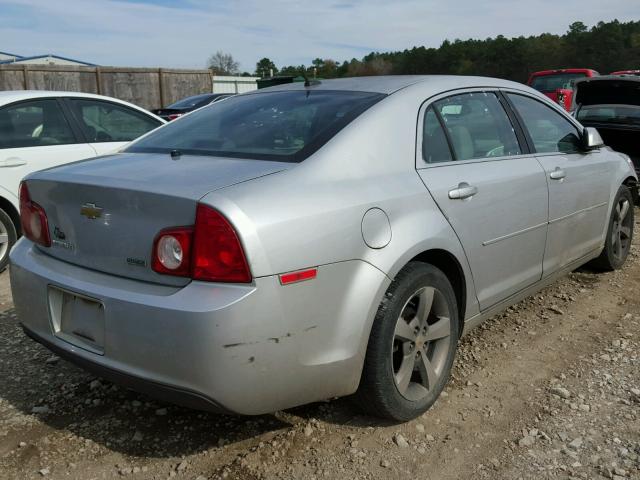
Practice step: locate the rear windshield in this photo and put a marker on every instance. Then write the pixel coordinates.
(283, 126)
(191, 101)
(550, 83)
(626, 114)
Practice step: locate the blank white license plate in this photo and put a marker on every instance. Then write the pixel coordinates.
(77, 319)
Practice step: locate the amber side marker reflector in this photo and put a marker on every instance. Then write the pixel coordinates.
(300, 276)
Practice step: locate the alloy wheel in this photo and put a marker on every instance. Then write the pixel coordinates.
(4, 240)
(621, 231)
(421, 343)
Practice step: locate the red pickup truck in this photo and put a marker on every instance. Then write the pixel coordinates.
(558, 84)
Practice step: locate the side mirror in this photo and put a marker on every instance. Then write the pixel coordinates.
(591, 139)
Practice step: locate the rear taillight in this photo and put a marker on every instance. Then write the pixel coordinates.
(33, 219)
(210, 251)
(217, 252)
(173, 116)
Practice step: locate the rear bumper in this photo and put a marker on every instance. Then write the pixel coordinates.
(247, 349)
(167, 393)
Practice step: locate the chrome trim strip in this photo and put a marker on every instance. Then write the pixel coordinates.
(509, 235)
(453, 163)
(528, 229)
(604, 204)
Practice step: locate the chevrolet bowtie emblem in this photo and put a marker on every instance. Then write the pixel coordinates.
(91, 211)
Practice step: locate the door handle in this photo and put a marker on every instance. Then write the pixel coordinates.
(463, 191)
(12, 162)
(557, 174)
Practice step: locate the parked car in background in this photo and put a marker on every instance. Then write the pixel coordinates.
(188, 104)
(42, 129)
(626, 72)
(558, 84)
(300, 243)
(612, 105)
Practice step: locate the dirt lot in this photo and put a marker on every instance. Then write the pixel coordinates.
(550, 389)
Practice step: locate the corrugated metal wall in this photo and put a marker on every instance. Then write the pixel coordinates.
(229, 84)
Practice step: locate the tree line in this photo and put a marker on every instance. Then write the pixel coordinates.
(606, 46)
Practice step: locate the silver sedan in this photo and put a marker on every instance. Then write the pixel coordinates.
(316, 240)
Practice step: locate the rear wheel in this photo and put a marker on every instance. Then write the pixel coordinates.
(412, 345)
(619, 233)
(8, 237)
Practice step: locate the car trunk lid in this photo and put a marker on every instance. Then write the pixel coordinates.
(609, 91)
(104, 213)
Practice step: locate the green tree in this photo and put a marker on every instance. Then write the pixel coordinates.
(266, 68)
(577, 28)
(293, 71)
(605, 47)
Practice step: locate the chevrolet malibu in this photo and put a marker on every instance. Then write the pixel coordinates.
(312, 241)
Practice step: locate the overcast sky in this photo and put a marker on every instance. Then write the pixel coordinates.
(183, 33)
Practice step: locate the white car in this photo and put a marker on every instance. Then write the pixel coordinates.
(41, 129)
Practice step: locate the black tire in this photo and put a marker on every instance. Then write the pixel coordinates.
(619, 234)
(9, 229)
(379, 392)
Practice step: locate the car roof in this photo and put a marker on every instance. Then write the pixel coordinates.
(392, 83)
(10, 96)
(607, 90)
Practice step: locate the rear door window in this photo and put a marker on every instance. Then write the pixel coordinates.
(548, 129)
(284, 126)
(37, 123)
(109, 122)
(435, 147)
(477, 126)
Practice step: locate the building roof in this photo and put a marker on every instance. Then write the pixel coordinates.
(35, 57)
(10, 54)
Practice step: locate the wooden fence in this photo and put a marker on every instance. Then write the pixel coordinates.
(147, 87)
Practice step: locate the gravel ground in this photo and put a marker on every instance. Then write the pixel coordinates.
(549, 389)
